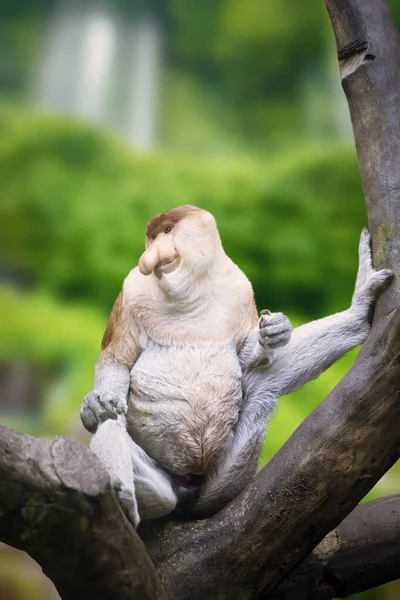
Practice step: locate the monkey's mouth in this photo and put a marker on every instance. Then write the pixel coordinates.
(167, 266)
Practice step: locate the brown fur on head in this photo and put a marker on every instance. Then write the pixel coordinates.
(186, 234)
(157, 224)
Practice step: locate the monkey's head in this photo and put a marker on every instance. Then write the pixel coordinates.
(185, 237)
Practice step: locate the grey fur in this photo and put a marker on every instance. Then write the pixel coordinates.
(109, 398)
(272, 361)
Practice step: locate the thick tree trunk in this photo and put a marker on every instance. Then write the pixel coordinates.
(369, 61)
(55, 500)
(56, 504)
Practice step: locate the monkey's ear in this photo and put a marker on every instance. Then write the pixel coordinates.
(114, 322)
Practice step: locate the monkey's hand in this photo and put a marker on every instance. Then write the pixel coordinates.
(275, 330)
(370, 283)
(97, 407)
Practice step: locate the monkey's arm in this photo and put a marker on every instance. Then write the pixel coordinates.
(120, 350)
(317, 345)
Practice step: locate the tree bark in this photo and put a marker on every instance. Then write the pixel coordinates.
(361, 553)
(55, 500)
(368, 47)
(59, 508)
(56, 504)
(331, 461)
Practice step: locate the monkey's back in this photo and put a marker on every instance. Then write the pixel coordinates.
(184, 401)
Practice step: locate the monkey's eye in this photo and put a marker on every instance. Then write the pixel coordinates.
(168, 229)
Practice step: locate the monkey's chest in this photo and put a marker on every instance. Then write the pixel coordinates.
(184, 402)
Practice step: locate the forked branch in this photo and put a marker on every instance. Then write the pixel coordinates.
(362, 553)
(55, 500)
(58, 507)
(331, 461)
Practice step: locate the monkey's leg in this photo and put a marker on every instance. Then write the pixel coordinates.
(317, 345)
(144, 490)
(155, 493)
(238, 463)
(111, 444)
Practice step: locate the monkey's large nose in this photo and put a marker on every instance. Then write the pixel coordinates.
(148, 260)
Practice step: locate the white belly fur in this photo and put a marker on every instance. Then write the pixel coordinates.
(184, 401)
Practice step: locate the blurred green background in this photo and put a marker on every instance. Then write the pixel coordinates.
(111, 112)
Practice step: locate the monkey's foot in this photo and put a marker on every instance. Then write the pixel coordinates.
(127, 501)
(370, 282)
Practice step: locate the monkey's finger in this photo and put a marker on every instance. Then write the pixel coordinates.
(276, 340)
(106, 407)
(88, 419)
(116, 405)
(276, 329)
(273, 320)
(108, 412)
(378, 281)
(277, 326)
(89, 411)
(265, 316)
(364, 258)
(113, 402)
(364, 249)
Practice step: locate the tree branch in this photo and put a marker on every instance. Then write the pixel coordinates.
(57, 505)
(59, 491)
(353, 437)
(52, 492)
(331, 461)
(369, 59)
(362, 553)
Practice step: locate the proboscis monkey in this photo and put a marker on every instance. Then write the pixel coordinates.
(189, 374)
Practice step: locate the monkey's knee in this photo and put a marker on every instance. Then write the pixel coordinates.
(154, 501)
(219, 490)
(111, 444)
(127, 501)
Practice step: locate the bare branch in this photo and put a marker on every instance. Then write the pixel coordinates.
(362, 553)
(366, 34)
(58, 491)
(57, 505)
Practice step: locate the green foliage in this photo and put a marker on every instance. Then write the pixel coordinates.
(75, 204)
(62, 342)
(73, 227)
(255, 60)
